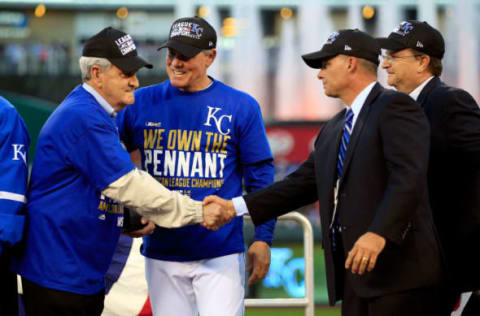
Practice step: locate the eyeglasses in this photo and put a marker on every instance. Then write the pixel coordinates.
(390, 58)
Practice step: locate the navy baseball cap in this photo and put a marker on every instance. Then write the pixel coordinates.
(345, 42)
(116, 46)
(189, 36)
(415, 35)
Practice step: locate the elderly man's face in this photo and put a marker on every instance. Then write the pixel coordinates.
(117, 88)
(401, 67)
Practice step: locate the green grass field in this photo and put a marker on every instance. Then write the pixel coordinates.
(319, 311)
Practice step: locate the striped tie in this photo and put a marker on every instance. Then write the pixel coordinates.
(335, 226)
(347, 131)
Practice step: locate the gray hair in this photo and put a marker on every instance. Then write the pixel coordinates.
(435, 66)
(86, 64)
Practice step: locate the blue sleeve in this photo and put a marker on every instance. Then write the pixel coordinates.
(120, 257)
(253, 138)
(257, 163)
(124, 120)
(257, 176)
(99, 155)
(14, 142)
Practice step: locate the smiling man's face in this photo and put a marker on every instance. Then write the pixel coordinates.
(189, 74)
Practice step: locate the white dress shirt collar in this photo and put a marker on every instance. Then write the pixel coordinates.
(103, 103)
(415, 93)
(360, 99)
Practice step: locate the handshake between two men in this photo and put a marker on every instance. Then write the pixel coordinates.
(217, 212)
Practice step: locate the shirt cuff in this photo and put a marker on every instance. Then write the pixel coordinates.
(240, 206)
(198, 209)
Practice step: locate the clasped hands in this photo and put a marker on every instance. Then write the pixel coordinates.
(217, 212)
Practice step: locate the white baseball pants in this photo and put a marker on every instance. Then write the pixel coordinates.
(211, 287)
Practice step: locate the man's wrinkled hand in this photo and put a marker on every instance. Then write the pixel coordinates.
(217, 212)
(258, 259)
(364, 253)
(146, 230)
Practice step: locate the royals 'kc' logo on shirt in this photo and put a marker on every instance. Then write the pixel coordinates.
(19, 152)
(217, 120)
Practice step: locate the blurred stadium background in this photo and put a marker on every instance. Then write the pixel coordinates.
(259, 45)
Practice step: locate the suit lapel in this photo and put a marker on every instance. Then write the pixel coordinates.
(357, 130)
(332, 159)
(327, 171)
(422, 97)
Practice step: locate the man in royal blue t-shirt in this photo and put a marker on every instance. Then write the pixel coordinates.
(79, 174)
(13, 186)
(201, 137)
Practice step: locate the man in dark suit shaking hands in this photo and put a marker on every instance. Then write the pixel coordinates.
(413, 63)
(368, 171)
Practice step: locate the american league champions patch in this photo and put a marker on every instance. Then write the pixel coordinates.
(125, 44)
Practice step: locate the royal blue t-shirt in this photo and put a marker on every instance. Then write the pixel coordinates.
(14, 142)
(72, 230)
(199, 143)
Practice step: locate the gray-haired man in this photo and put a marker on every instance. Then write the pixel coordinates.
(80, 173)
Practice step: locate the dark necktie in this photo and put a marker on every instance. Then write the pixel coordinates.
(346, 133)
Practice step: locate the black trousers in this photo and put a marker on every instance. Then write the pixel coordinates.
(42, 301)
(8, 288)
(415, 302)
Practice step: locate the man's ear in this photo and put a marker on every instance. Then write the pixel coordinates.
(95, 72)
(212, 56)
(95, 75)
(352, 63)
(424, 62)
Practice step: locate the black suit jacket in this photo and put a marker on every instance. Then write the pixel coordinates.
(383, 190)
(454, 178)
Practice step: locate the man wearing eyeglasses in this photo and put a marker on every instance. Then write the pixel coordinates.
(413, 63)
(368, 172)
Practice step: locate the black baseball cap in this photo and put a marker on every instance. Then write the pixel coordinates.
(346, 42)
(415, 35)
(116, 46)
(189, 36)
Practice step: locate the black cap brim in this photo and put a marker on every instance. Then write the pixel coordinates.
(184, 49)
(389, 44)
(130, 64)
(315, 59)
